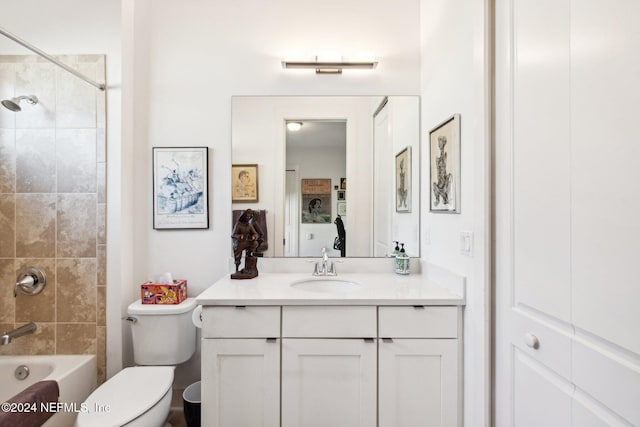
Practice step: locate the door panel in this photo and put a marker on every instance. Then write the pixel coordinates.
(590, 413)
(541, 397)
(541, 153)
(532, 213)
(608, 378)
(605, 176)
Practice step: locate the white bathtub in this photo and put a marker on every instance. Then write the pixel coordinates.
(75, 374)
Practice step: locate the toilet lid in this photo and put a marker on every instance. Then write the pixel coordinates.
(137, 307)
(128, 394)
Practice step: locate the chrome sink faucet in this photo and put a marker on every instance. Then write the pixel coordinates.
(18, 332)
(325, 267)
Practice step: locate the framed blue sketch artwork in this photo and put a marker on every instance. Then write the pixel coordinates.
(180, 188)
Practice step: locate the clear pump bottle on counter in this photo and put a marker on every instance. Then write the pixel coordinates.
(402, 261)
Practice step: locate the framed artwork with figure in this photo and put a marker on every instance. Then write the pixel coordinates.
(245, 183)
(444, 153)
(180, 193)
(403, 180)
(316, 201)
(342, 208)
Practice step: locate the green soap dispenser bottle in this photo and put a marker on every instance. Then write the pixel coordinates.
(402, 261)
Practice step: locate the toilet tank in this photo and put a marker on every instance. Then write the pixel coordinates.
(162, 334)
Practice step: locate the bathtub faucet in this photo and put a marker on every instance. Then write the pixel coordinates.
(6, 338)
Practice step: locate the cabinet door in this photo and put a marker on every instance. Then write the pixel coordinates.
(328, 382)
(418, 382)
(241, 382)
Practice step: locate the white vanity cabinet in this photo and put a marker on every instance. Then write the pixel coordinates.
(418, 366)
(329, 366)
(241, 366)
(328, 382)
(307, 366)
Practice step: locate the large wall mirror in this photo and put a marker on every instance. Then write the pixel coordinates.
(328, 167)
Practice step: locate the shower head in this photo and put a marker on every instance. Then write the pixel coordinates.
(13, 104)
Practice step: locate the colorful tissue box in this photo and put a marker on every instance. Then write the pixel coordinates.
(163, 293)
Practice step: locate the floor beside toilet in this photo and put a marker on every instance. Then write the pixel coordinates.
(176, 416)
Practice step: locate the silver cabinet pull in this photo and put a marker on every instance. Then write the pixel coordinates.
(387, 340)
(272, 339)
(531, 341)
(369, 339)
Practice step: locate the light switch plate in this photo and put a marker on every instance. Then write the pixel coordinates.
(466, 243)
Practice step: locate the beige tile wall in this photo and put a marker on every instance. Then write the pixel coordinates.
(53, 205)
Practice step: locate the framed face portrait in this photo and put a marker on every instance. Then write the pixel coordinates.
(244, 183)
(316, 201)
(316, 209)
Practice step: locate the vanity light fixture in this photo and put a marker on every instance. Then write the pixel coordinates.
(294, 126)
(330, 67)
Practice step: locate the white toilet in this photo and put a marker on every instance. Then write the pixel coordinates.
(163, 336)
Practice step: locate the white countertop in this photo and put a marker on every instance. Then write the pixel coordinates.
(375, 289)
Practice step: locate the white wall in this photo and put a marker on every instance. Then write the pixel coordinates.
(455, 80)
(191, 60)
(85, 27)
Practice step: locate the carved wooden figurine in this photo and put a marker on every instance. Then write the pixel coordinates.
(245, 239)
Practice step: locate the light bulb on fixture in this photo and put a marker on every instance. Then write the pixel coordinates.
(294, 126)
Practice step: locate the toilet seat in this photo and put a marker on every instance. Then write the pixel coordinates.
(129, 394)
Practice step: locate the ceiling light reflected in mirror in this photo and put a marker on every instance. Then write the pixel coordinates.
(294, 126)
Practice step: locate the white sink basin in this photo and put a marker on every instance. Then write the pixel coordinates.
(325, 284)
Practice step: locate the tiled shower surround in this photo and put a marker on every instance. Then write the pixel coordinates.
(53, 205)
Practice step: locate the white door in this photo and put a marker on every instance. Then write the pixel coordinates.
(291, 212)
(328, 382)
(567, 345)
(532, 241)
(418, 383)
(532, 221)
(383, 182)
(241, 382)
